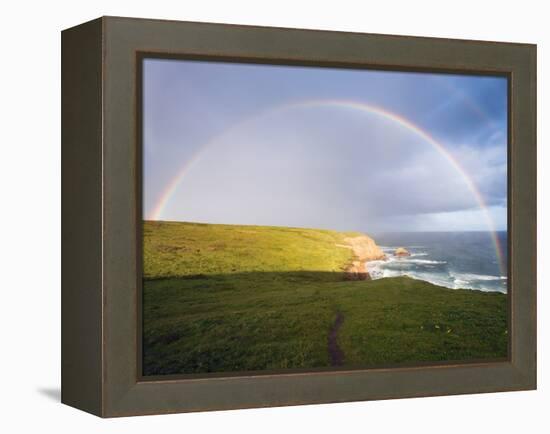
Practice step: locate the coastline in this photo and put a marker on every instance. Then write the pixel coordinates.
(454, 260)
(280, 293)
(364, 250)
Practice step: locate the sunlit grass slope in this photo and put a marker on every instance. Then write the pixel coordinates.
(223, 298)
(173, 249)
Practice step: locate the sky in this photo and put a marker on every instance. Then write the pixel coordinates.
(333, 148)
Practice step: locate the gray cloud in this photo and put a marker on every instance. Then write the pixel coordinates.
(336, 169)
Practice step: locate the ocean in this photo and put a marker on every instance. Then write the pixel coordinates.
(466, 260)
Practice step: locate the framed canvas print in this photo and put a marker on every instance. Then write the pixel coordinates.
(262, 217)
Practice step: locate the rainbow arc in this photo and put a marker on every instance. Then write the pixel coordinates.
(361, 107)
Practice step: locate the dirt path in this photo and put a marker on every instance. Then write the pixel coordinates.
(335, 352)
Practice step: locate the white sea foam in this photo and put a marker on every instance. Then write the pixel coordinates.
(410, 260)
(470, 277)
(449, 269)
(395, 267)
(424, 261)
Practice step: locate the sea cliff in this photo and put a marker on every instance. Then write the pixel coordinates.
(364, 249)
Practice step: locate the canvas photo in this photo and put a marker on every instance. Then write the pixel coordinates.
(302, 218)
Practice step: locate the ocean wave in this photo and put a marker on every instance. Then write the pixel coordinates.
(434, 280)
(449, 270)
(469, 277)
(409, 260)
(454, 283)
(383, 269)
(424, 261)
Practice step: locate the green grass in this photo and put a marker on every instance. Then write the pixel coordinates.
(173, 249)
(223, 298)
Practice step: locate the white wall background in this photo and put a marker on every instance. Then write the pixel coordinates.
(30, 217)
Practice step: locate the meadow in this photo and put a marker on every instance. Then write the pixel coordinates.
(221, 298)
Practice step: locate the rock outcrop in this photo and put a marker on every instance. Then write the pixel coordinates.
(357, 270)
(364, 249)
(401, 251)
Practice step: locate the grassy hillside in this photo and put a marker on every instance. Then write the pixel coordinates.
(240, 298)
(174, 249)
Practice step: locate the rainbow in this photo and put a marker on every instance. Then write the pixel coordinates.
(465, 99)
(172, 186)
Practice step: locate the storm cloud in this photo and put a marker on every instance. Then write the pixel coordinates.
(247, 152)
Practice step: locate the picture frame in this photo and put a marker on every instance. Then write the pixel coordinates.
(101, 215)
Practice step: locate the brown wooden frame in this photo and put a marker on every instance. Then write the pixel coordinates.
(101, 196)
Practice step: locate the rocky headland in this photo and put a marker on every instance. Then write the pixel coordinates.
(364, 249)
